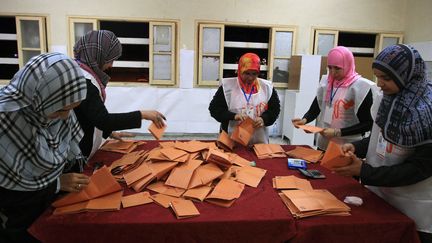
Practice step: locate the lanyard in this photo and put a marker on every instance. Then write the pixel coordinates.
(250, 94)
(332, 95)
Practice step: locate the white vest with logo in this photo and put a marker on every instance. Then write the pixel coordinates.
(415, 200)
(343, 110)
(237, 103)
(97, 134)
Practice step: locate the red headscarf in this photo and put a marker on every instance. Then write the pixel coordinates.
(249, 61)
(341, 57)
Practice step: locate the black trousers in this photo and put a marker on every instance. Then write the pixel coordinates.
(21, 208)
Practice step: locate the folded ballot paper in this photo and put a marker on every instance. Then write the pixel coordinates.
(103, 193)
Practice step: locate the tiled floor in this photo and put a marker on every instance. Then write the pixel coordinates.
(199, 136)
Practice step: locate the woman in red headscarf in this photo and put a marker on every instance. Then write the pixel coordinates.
(343, 101)
(246, 96)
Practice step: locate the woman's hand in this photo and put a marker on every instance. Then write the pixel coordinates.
(73, 182)
(155, 116)
(240, 117)
(352, 169)
(348, 149)
(121, 135)
(259, 122)
(298, 122)
(331, 132)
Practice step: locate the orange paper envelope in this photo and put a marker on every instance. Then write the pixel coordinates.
(184, 208)
(172, 153)
(291, 182)
(205, 174)
(225, 142)
(334, 157)
(136, 199)
(199, 193)
(110, 202)
(155, 131)
(308, 154)
(227, 190)
(163, 200)
(250, 176)
(218, 157)
(101, 183)
(311, 129)
(191, 146)
(161, 188)
(132, 176)
(181, 176)
(243, 132)
(119, 146)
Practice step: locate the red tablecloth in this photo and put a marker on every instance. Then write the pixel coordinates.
(257, 216)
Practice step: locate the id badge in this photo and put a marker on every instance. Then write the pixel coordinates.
(381, 146)
(250, 111)
(328, 115)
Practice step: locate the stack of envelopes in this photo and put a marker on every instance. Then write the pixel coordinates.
(268, 151)
(306, 203)
(103, 193)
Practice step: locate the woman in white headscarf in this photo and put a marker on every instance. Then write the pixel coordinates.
(39, 136)
(398, 164)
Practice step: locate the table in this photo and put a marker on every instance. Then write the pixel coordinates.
(259, 215)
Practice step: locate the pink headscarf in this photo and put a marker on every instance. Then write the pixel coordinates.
(343, 58)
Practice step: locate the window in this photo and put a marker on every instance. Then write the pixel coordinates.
(21, 38)
(220, 46)
(149, 49)
(365, 46)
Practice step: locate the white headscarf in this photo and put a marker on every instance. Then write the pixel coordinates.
(33, 148)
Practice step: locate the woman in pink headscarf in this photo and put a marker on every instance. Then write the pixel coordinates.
(246, 96)
(343, 101)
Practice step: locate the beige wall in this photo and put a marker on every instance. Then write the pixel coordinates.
(365, 15)
(419, 18)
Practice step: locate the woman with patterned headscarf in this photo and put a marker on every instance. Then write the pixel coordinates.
(39, 136)
(343, 101)
(398, 164)
(246, 96)
(95, 52)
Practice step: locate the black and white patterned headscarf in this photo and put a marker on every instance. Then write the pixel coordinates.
(406, 117)
(96, 48)
(33, 148)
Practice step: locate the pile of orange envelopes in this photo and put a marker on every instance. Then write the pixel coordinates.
(303, 201)
(177, 173)
(268, 151)
(308, 154)
(306, 203)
